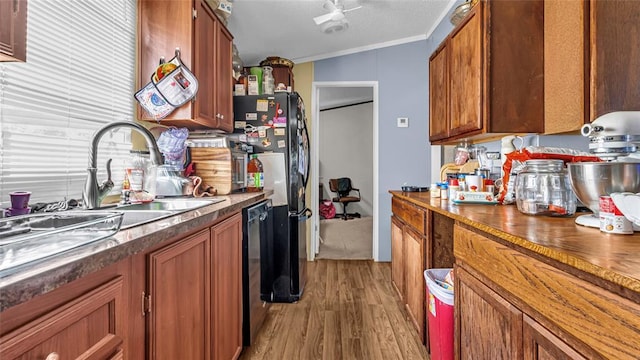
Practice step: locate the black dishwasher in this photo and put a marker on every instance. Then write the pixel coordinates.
(257, 229)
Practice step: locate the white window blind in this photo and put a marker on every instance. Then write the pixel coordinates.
(79, 76)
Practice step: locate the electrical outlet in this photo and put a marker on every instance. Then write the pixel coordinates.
(403, 122)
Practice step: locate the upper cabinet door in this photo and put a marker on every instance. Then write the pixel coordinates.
(205, 46)
(439, 94)
(466, 76)
(13, 30)
(615, 58)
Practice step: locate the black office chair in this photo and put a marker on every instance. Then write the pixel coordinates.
(346, 195)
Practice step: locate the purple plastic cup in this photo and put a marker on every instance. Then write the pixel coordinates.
(19, 199)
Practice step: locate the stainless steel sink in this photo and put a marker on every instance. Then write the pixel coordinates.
(132, 218)
(176, 205)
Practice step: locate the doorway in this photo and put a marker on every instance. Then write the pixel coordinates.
(349, 93)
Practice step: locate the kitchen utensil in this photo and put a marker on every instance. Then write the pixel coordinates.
(614, 135)
(590, 180)
(543, 188)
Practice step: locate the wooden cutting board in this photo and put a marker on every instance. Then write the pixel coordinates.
(215, 167)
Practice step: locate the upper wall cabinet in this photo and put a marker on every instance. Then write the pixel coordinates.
(487, 78)
(13, 30)
(206, 48)
(592, 66)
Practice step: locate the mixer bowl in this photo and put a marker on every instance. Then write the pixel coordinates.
(590, 180)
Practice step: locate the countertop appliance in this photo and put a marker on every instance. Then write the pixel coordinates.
(614, 137)
(275, 126)
(257, 228)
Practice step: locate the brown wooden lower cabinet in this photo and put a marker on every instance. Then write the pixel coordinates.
(226, 285)
(182, 300)
(91, 326)
(179, 301)
(510, 305)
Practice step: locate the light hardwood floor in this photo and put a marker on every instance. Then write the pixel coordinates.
(348, 310)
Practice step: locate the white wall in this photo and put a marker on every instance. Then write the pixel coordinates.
(346, 148)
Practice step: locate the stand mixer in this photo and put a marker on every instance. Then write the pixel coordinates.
(615, 138)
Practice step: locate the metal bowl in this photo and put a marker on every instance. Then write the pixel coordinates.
(590, 180)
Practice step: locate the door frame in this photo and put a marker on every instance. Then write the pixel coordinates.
(315, 161)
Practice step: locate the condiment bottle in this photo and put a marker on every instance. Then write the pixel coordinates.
(434, 190)
(255, 174)
(453, 189)
(444, 191)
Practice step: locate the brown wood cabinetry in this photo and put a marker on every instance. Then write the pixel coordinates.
(420, 240)
(91, 326)
(493, 65)
(179, 299)
(439, 94)
(195, 295)
(409, 239)
(206, 48)
(226, 259)
(511, 305)
(582, 80)
(13, 30)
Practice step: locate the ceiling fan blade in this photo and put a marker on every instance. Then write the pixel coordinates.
(330, 5)
(323, 18)
(354, 8)
(333, 16)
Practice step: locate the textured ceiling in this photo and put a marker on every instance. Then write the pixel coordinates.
(285, 28)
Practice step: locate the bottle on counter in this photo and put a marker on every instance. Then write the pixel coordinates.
(444, 191)
(255, 174)
(454, 187)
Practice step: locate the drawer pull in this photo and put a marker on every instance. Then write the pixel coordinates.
(53, 356)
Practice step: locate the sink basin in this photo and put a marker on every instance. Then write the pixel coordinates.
(135, 217)
(176, 205)
(29, 238)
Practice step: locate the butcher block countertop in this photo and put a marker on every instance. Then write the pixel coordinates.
(609, 260)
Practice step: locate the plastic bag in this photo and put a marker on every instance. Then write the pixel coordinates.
(516, 159)
(327, 210)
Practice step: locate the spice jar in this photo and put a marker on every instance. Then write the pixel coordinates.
(543, 188)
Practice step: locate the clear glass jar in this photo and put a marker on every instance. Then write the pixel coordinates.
(268, 82)
(543, 188)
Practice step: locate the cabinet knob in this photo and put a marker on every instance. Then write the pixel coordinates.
(221, 117)
(53, 356)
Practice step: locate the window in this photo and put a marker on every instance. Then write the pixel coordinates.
(79, 76)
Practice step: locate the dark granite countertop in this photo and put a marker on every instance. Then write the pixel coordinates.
(48, 274)
(614, 258)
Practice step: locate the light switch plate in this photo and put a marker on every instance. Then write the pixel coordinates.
(403, 122)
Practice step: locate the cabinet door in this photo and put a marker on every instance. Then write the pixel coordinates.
(224, 78)
(89, 327)
(540, 344)
(487, 326)
(206, 34)
(397, 256)
(466, 69)
(13, 30)
(226, 241)
(179, 291)
(414, 278)
(615, 26)
(439, 94)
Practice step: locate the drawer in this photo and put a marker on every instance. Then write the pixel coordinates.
(88, 327)
(606, 322)
(411, 214)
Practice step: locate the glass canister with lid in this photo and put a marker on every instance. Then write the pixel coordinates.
(543, 188)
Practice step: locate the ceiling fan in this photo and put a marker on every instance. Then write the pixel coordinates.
(335, 20)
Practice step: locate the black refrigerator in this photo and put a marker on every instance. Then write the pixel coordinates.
(274, 126)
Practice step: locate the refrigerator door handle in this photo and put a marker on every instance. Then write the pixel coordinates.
(306, 212)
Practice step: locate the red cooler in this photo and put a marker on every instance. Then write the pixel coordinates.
(440, 310)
